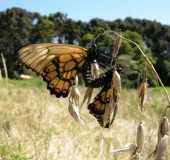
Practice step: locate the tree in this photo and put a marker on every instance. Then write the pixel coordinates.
(132, 62)
(59, 20)
(43, 31)
(15, 29)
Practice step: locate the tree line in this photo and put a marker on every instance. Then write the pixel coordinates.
(19, 27)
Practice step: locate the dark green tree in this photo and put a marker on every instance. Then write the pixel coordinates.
(59, 20)
(43, 30)
(15, 28)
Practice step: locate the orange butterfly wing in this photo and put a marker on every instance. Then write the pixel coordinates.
(99, 105)
(56, 63)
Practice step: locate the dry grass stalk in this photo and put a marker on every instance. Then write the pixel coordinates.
(105, 145)
(116, 46)
(101, 149)
(5, 66)
(0, 74)
(143, 89)
(111, 110)
(149, 63)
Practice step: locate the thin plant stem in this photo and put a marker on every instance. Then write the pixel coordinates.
(149, 64)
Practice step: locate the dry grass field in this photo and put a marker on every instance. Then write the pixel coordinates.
(37, 126)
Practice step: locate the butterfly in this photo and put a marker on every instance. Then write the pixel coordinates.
(59, 64)
(56, 63)
(101, 107)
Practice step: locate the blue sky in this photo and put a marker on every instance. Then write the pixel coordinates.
(158, 10)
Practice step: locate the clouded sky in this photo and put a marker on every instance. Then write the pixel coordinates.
(158, 10)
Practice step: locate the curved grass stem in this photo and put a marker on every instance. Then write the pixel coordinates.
(150, 65)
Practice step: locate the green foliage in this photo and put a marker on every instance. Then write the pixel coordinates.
(59, 21)
(15, 29)
(164, 65)
(87, 38)
(7, 152)
(34, 82)
(43, 30)
(133, 64)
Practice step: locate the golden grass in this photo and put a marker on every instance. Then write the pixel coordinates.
(37, 126)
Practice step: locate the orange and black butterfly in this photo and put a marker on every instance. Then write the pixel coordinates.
(102, 100)
(59, 64)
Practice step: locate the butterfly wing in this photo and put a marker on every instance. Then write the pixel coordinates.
(100, 104)
(56, 63)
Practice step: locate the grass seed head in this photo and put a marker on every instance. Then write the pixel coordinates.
(95, 71)
(163, 128)
(131, 148)
(75, 95)
(143, 89)
(112, 108)
(74, 111)
(140, 137)
(116, 81)
(87, 96)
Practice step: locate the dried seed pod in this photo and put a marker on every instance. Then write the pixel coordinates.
(161, 148)
(111, 110)
(95, 71)
(74, 111)
(108, 115)
(76, 81)
(142, 95)
(116, 81)
(163, 128)
(131, 148)
(87, 96)
(140, 137)
(75, 93)
(162, 143)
